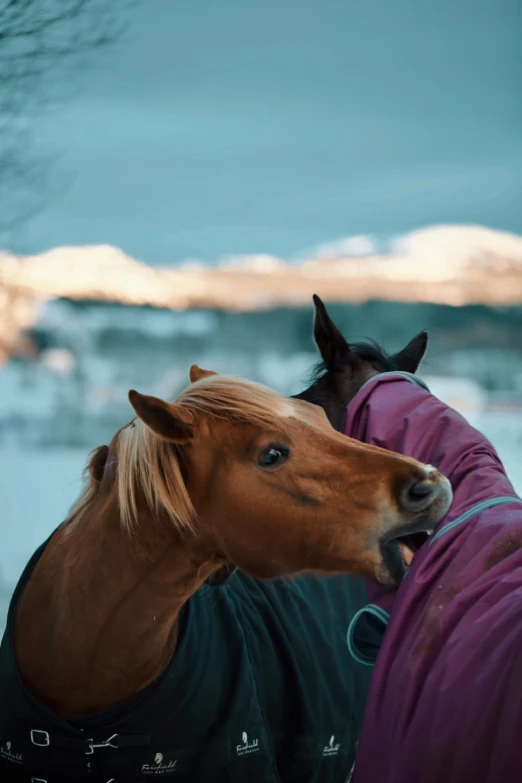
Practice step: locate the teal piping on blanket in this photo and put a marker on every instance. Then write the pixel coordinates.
(394, 374)
(377, 612)
(489, 503)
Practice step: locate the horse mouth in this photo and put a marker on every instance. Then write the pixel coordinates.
(399, 551)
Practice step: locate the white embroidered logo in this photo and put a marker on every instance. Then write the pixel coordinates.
(159, 768)
(332, 749)
(5, 753)
(247, 747)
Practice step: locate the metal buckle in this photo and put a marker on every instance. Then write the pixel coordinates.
(108, 743)
(46, 738)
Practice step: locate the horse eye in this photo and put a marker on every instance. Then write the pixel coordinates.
(273, 455)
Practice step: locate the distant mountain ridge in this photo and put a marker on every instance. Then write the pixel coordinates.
(441, 264)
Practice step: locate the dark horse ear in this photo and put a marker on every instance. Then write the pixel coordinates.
(96, 464)
(168, 420)
(331, 344)
(410, 357)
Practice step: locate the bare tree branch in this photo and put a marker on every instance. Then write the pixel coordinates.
(25, 24)
(43, 44)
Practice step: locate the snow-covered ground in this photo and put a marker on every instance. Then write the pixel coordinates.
(38, 486)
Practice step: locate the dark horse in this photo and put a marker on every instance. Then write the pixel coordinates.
(346, 367)
(445, 699)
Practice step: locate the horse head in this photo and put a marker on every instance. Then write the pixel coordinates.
(345, 366)
(249, 477)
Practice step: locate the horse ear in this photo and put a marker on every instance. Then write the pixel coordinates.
(329, 340)
(168, 420)
(96, 464)
(197, 373)
(410, 357)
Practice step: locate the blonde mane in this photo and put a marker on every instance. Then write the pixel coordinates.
(151, 465)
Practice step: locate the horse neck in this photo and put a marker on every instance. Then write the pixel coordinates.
(334, 398)
(101, 609)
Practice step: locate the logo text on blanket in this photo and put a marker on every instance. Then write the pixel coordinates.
(247, 747)
(7, 753)
(159, 767)
(332, 749)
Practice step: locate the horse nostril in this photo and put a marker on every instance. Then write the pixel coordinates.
(418, 494)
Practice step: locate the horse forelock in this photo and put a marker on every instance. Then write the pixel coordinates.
(151, 466)
(368, 351)
(235, 399)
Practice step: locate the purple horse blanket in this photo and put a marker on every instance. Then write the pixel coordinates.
(445, 700)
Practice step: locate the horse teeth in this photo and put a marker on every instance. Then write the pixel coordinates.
(407, 554)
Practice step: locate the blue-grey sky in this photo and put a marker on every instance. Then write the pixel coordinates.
(220, 127)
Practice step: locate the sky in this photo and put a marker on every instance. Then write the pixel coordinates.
(225, 127)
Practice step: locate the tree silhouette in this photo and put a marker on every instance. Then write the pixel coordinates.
(42, 43)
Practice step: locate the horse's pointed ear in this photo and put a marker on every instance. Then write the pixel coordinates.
(410, 357)
(96, 464)
(197, 373)
(168, 420)
(332, 346)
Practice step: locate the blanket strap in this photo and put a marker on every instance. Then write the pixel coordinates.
(43, 739)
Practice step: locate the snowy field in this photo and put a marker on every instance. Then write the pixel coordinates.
(38, 486)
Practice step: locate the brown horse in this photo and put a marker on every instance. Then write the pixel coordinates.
(230, 472)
